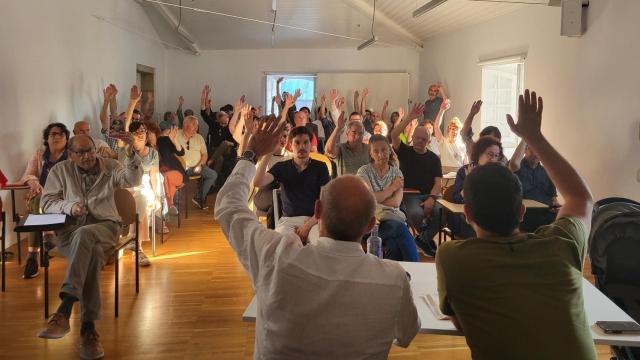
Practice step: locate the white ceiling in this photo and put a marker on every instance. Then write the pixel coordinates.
(394, 25)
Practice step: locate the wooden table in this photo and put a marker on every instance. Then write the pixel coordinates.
(423, 281)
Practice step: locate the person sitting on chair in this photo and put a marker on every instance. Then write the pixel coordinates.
(83, 188)
(300, 181)
(501, 288)
(316, 301)
(53, 151)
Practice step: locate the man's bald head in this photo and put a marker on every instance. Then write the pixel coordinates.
(346, 209)
(82, 127)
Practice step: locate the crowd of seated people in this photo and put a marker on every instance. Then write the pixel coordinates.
(302, 282)
(401, 160)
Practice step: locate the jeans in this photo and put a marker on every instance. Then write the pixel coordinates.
(415, 215)
(209, 177)
(397, 242)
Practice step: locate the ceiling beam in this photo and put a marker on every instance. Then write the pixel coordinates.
(183, 33)
(364, 7)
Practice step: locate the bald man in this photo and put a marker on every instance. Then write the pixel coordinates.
(322, 300)
(103, 149)
(82, 187)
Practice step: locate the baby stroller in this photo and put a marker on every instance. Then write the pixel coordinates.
(614, 250)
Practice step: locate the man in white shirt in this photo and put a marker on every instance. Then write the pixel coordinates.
(324, 300)
(195, 156)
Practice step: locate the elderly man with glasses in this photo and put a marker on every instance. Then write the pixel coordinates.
(83, 188)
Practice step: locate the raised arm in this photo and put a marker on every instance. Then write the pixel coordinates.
(330, 148)
(134, 98)
(578, 199)
(273, 105)
(179, 112)
(288, 103)
(416, 111)
(278, 94)
(323, 107)
(204, 96)
(383, 115)
(363, 103)
(109, 93)
(356, 96)
(446, 104)
(466, 132)
(234, 127)
(241, 119)
(518, 155)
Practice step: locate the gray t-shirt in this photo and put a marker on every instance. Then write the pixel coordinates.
(150, 160)
(348, 161)
(369, 174)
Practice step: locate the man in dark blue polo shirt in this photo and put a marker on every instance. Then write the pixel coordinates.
(536, 185)
(300, 181)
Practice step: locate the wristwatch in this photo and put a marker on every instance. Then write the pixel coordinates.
(249, 155)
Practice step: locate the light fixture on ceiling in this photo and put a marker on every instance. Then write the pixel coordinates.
(427, 7)
(373, 38)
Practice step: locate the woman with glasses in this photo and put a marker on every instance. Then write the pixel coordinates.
(486, 150)
(54, 150)
(137, 140)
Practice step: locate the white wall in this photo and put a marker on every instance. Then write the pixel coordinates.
(56, 57)
(589, 84)
(232, 73)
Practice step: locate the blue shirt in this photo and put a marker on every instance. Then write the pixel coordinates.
(536, 184)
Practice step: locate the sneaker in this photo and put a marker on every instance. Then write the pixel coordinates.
(57, 327)
(90, 347)
(143, 260)
(173, 211)
(428, 248)
(197, 203)
(31, 268)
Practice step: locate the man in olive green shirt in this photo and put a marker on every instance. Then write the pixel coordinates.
(517, 295)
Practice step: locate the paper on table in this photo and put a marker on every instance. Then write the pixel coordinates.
(45, 219)
(432, 304)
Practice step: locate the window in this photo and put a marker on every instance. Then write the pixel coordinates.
(305, 82)
(502, 83)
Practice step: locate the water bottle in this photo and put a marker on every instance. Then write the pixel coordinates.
(374, 243)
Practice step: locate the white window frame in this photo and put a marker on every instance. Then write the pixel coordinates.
(493, 110)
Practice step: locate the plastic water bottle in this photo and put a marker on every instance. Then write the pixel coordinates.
(374, 243)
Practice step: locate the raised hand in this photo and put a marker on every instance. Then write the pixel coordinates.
(445, 105)
(386, 104)
(333, 94)
(297, 94)
(280, 79)
(400, 113)
(238, 105)
(136, 94)
(340, 103)
(266, 137)
(416, 111)
(110, 92)
(259, 110)
(245, 110)
(289, 101)
(475, 108)
(356, 94)
(180, 101)
(323, 99)
(173, 134)
(529, 116)
(365, 92)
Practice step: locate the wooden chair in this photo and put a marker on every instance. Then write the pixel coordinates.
(185, 188)
(126, 206)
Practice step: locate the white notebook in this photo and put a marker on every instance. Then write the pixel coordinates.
(44, 219)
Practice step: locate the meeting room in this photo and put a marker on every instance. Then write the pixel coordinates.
(320, 179)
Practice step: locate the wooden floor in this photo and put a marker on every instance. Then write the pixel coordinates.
(190, 307)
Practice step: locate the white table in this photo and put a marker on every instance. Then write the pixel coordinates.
(423, 281)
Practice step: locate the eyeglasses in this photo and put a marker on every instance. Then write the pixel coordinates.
(54, 134)
(82, 153)
(491, 155)
(140, 131)
(188, 144)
